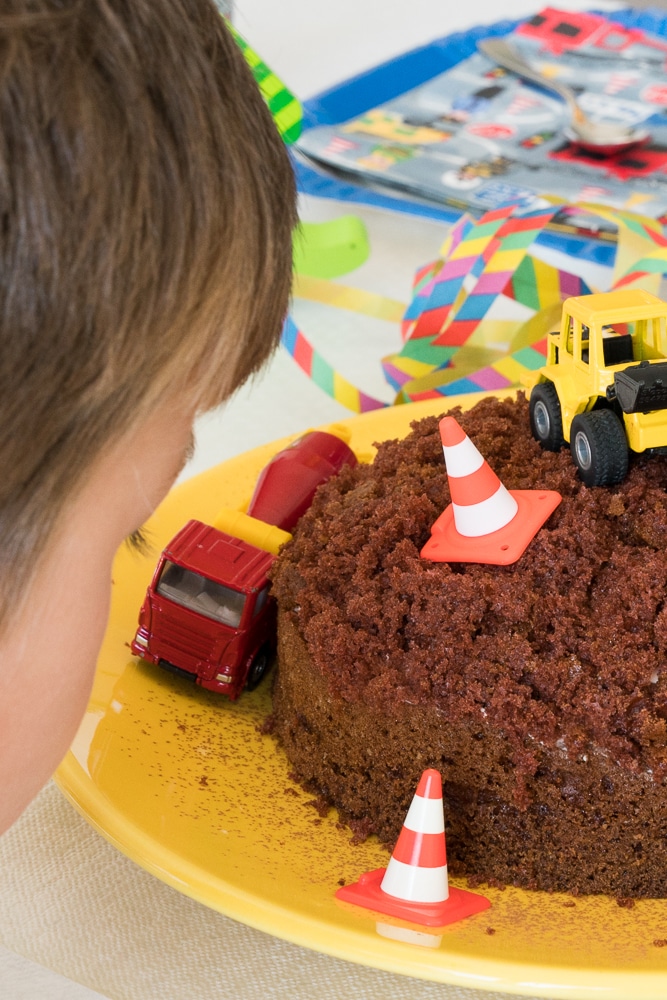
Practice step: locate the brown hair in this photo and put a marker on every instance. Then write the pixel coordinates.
(146, 210)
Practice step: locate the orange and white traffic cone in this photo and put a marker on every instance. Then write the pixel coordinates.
(414, 886)
(485, 523)
(417, 869)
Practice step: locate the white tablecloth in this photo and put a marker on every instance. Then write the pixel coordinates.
(70, 905)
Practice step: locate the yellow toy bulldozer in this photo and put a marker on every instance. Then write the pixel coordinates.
(603, 388)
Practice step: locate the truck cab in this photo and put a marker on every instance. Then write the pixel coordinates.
(208, 613)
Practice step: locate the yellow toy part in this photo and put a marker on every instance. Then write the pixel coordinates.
(250, 529)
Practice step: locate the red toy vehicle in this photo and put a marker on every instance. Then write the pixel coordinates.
(208, 614)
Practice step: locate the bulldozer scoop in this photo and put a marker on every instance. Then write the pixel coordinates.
(642, 388)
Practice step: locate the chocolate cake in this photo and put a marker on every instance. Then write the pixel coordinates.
(538, 690)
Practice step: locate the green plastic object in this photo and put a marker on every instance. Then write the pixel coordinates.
(283, 105)
(330, 249)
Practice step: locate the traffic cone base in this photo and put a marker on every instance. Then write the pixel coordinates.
(368, 894)
(498, 548)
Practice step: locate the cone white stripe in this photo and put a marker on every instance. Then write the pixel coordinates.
(486, 516)
(425, 815)
(463, 458)
(419, 885)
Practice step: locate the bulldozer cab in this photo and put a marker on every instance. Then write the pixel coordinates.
(614, 328)
(617, 342)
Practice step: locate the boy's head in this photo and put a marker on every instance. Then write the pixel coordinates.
(146, 209)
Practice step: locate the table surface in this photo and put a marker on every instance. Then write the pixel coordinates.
(78, 920)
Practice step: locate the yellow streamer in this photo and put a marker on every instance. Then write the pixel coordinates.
(330, 293)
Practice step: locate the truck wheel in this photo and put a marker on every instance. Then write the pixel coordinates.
(258, 668)
(546, 421)
(599, 448)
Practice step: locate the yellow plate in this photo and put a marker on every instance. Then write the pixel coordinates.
(187, 785)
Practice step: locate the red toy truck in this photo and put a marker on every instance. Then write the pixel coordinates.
(208, 614)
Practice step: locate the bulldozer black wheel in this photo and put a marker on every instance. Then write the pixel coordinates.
(546, 421)
(599, 448)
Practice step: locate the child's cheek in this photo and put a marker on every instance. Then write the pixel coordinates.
(48, 665)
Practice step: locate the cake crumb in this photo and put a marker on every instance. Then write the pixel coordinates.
(267, 727)
(320, 805)
(660, 942)
(490, 930)
(616, 506)
(361, 830)
(476, 881)
(626, 902)
(569, 903)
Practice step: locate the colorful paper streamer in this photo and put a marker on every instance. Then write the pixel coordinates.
(322, 373)
(286, 110)
(480, 313)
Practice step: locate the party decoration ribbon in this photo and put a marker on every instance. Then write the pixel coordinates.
(480, 313)
(283, 105)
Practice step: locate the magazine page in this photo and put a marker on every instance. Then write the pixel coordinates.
(478, 138)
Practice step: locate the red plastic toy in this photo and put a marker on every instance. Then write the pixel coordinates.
(208, 613)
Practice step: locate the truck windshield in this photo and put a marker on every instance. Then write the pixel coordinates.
(191, 590)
